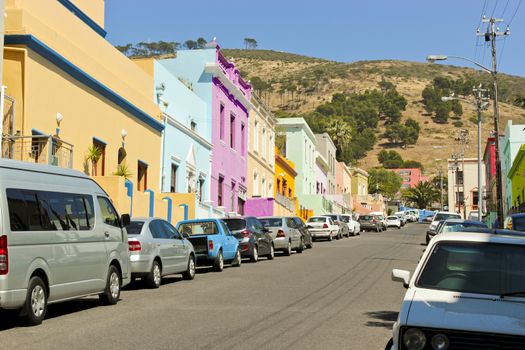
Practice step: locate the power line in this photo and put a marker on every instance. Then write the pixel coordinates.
(505, 9)
(494, 9)
(515, 12)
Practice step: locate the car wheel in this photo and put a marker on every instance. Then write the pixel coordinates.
(330, 238)
(35, 306)
(301, 247)
(218, 264)
(427, 239)
(272, 253)
(377, 229)
(113, 285)
(288, 250)
(154, 277)
(390, 344)
(399, 227)
(189, 274)
(254, 257)
(311, 245)
(238, 259)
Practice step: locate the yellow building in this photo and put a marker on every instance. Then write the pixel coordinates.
(74, 94)
(284, 184)
(517, 178)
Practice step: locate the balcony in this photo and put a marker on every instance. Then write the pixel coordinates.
(41, 149)
(288, 203)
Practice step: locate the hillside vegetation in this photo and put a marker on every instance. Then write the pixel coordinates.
(292, 85)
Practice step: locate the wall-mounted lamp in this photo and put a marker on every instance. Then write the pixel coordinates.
(59, 119)
(123, 134)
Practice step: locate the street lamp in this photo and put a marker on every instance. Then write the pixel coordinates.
(494, 73)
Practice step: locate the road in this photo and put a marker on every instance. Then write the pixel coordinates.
(338, 295)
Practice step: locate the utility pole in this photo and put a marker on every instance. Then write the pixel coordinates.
(490, 36)
(441, 187)
(481, 104)
(462, 138)
(455, 168)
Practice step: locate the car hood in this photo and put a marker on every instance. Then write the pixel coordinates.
(469, 312)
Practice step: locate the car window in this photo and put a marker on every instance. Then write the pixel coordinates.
(290, 223)
(392, 218)
(109, 214)
(317, 219)
(258, 225)
(345, 218)
(236, 224)
(199, 228)
(135, 227)
(298, 222)
(225, 228)
(445, 216)
(158, 230)
(459, 226)
(518, 223)
(366, 217)
(272, 222)
(171, 231)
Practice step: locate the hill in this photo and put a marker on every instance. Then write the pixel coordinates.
(295, 84)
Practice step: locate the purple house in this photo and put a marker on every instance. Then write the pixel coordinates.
(218, 82)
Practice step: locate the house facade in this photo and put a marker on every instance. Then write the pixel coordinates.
(410, 177)
(517, 178)
(463, 194)
(509, 144)
(326, 148)
(489, 192)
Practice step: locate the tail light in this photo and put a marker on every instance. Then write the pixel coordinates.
(134, 246)
(325, 225)
(280, 233)
(246, 233)
(4, 261)
(373, 221)
(210, 245)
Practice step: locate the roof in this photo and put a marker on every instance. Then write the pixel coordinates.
(198, 220)
(297, 123)
(42, 168)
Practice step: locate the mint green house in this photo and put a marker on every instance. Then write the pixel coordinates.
(510, 144)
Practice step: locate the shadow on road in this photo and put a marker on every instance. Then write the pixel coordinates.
(383, 319)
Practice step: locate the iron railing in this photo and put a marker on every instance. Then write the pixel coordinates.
(286, 202)
(42, 149)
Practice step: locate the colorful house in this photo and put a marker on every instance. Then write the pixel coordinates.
(361, 199)
(509, 145)
(219, 84)
(285, 202)
(463, 194)
(343, 196)
(410, 176)
(326, 148)
(74, 95)
(489, 193)
(517, 178)
(261, 160)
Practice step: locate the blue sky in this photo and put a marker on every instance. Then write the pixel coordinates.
(341, 30)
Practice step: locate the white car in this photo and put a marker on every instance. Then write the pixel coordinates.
(442, 216)
(467, 292)
(393, 221)
(353, 225)
(322, 227)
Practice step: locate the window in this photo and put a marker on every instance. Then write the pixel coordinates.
(121, 158)
(232, 196)
(157, 229)
(171, 230)
(201, 189)
(221, 122)
(278, 186)
(199, 228)
(256, 184)
(49, 211)
(459, 178)
(263, 187)
(142, 176)
(99, 166)
(232, 131)
(173, 183)
(240, 206)
(243, 141)
(109, 214)
(220, 189)
(475, 198)
(264, 144)
(256, 137)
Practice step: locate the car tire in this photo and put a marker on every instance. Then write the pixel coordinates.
(218, 264)
(377, 229)
(254, 256)
(288, 250)
(311, 245)
(427, 239)
(271, 255)
(237, 261)
(111, 294)
(330, 238)
(300, 249)
(390, 344)
(399, 227)
(154, 277)
(35, 307)
(189, 274)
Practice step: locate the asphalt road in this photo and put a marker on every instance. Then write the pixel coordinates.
(338, 295)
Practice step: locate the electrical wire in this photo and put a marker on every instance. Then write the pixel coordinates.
(515, 12)
(505, 9)
(494, 9)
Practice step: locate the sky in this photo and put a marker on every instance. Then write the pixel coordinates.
(339, 30)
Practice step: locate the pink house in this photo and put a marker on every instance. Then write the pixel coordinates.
(411, 177)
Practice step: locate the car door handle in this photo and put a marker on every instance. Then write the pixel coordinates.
(106, 234)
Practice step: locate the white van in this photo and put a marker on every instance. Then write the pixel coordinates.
(60, 239)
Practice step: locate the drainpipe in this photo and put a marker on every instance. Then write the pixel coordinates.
(129, 186)
(2, 103)
(151, 203)
(170, 206)
(162, 153)
(185, 207)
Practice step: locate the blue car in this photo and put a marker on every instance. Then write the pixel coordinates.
(213, 242)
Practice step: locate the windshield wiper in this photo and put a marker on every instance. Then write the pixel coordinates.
(510, 294)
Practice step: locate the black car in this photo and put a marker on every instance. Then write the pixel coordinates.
(307, 236)
(254, 239)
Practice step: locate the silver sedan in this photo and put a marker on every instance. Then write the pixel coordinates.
(157, 249)
(286, 236)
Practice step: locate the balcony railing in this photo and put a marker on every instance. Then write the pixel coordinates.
(286, 202)
(42, 149)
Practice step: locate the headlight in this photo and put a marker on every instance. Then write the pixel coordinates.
(414, 339)
(440, 342)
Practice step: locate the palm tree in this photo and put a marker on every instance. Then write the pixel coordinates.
(93, 155)
(340, 132)
(423, 195)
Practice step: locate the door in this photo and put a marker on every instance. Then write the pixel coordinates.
(165, 246)
(182, 249)
(115, 239)
(295, 234)
(263, 238)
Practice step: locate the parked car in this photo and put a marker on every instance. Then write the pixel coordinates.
(381, 217)
(157, 249)
(254, 239)
(467, 292)
(401, 215)
(212, 241)
(440, 216)
(344, 230)
(353, 226)
(454, 225)
(393, 221)
(61, 238)
(322, 227)
(515, 222)
(370, 223)
(307, 236)
(286, 237)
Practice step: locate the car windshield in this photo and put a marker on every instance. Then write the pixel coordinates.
(235, 224)
(134, 227)
(459, 226)
(484, 268)
(317, 219)
(366, 217)
(272, 222)
(445, 216)
(518, 223)
(199, 228)
(345, 219)
(334, 217)
(392, 218)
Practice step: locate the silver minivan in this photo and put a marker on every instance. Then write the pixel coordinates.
(60, 238)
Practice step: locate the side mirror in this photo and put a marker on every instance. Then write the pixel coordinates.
(401, 276)
(125, 219)
(266, 230)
